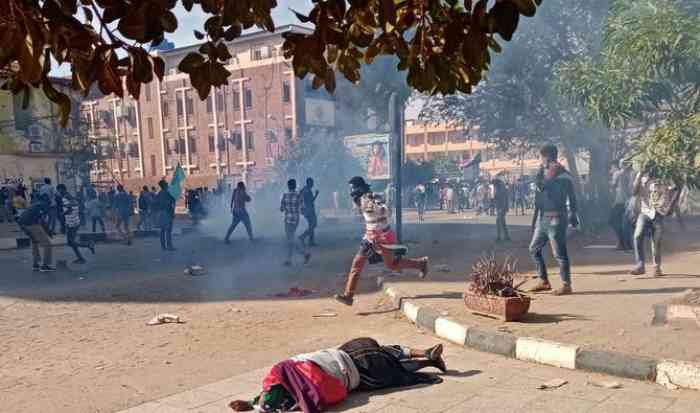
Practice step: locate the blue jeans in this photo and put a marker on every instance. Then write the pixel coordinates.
(554, 231)
(655, 228)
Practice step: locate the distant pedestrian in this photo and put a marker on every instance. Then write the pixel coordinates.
(123, 206)
(291, 207)
(658, 199)
(421, 199)
(621, 185)
(71, 214)
(239, 199)
(551, 218)
(34, 222)
(165, 207)
(95, 212)
(5, 196)
(501, 202)
(521, 194)
(308, 209)
(48, 191)
(145, 205)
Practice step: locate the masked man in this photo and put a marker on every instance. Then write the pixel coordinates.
(377, 240)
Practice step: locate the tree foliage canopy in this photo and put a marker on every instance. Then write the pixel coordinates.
(444, 45)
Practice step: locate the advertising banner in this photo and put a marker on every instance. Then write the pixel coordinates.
(373, 152)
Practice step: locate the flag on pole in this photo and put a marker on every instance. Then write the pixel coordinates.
(175, 187)
(476, 160)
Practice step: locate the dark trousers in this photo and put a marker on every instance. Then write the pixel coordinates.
(72, 241)
(166, 234)
(310, 232)
(95, 221)
(239, 217)
(290, 230)
(554, 231)
(53, 217)
(619, 224)
(501, 228)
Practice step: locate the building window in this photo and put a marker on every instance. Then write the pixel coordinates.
(149, 125)
(190, 105)
(212, 144)
(220, 100)
(180, 146)
(286, 92)
(248, 98)
(237, 140)
(180, 112)
(133, 150)
(210, 103)
(287, 134)
(260, 53)
(168, 150)
(147, 91)
(250, 139)
(193, 144)
(236, 100)
(153, 165)
(165, 109)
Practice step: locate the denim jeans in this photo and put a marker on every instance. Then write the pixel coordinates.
(501, 227)
(292, 245)
(166, 233)
(656, 227)
(310, 232)
(552, 230)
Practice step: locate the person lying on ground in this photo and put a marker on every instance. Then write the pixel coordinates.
(314, 381)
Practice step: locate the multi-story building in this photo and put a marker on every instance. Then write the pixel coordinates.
(33, 145)
(429, 141)
(237, 133)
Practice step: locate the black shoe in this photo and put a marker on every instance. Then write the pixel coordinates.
(344, 299)
(91, 247)
(227, 241)
(287, 264)
(172, 249)
(440, 364)
(47, 268)
(434, 353)
(79, 261)
(36, 268)
(307, 258)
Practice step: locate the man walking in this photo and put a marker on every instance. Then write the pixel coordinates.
(71, 214)
(657, 200)
(554, 186)
(124, 208)
(33, 222)
(622, 187)
(291, 207)
(145, 205)
(48, 191)
(501, 202)
(165, 206)
(238, 200)
(95, 212)
(308, 209)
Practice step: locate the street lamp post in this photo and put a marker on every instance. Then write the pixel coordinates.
(396, 125)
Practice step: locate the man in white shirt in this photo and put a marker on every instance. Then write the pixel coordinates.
(657, 200)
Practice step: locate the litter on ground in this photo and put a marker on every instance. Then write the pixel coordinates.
(164, 319)
(552, 384)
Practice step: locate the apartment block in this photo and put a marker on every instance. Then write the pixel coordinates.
(237, 133)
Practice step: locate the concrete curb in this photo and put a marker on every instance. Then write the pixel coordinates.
(670, 373)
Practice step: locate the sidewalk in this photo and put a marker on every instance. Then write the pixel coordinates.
(476, 382)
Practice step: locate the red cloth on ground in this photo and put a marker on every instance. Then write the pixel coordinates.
(331, 389)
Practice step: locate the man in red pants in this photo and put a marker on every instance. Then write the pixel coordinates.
(378, 235)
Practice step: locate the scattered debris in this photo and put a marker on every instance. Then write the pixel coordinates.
(605, 384)
(195, 270)
(295, 292)
(235, 310)
(164, 319)
(552, 384)
(326, 314)
(442, 268)
(444, 314)
(621, 332)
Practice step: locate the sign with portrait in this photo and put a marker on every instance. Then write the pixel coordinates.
(373, 152)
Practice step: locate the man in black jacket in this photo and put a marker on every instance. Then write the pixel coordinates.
(166, 215)
(554, 188)
(34, 222)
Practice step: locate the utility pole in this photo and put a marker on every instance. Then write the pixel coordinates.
(396, 125)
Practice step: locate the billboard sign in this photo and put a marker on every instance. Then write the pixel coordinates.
(372, 150)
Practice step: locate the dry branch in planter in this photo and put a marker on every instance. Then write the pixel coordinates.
(489, 277)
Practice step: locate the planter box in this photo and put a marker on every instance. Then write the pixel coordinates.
(505, 308)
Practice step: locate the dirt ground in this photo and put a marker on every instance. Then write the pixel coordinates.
(76, 341)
